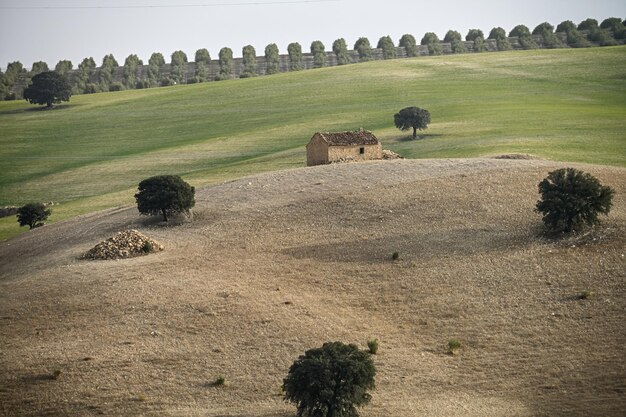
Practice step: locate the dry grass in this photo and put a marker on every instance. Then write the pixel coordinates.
(278, 263)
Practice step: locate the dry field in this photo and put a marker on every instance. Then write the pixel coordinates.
(275, 264)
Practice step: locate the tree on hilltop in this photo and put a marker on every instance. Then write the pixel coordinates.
(341, 51)
(389, 49)
(431, 40)
(412, 118)
(407, 41)
(525, 38)
(478, 37)
(48, 88)
(550, 40)
(364, 49)
(456, 42)
(226, 64)
(295, 56)
(502, 41)
(319, 54)
(249, 62)
(164, 194)
(272, 59)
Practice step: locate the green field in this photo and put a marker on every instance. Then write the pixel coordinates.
(90, 153)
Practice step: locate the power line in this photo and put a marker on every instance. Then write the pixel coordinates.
(169, 6)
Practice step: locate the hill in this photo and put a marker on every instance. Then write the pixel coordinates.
(277, 263)
(90, 154)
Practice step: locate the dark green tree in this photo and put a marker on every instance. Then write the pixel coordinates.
(602, 37)
(105, 75)
(389, 49)
(272, 59)
(319, 54)
(38, 67)
(456, 42)
(32, 215)
(502, 41)
(572, 199)
(48, 88)
(431, 40)
(478, 37)
(565, 26)
(249, 62)
(14, 71)
(63, 66)
(330, 381)
(407, 41)
(3, 86)
(588, 24)
(155, 68)
(364, 49)
(525, 38)
(412, 118)
(203, 61)
(295, 56)
(83, 76)
(178, 67)
(131, 65)
(616, 26)
(226, 64)
(164, 194)
(550, 40)
(575, 39)
(341, 51)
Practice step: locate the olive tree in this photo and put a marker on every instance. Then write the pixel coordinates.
(364, 49)
(272, 59)
(407, 41)
(431, 40)
(412, 118)
(525, 38)
(456, 42)
(550, 40)
(249, 62)
(32, 215)
(389, 49)
(226, 64)
(295, 56)
(502, 41)
(330, 381)
(571, 199)
(341, 51)
(319, 54)
(478, 37)
(164, 194)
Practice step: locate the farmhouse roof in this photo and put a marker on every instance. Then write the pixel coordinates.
(359, 137)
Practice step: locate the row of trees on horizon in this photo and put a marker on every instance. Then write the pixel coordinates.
(88, 78)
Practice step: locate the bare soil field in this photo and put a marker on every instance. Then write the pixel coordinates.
(275, 264)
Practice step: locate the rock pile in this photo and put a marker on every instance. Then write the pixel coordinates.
(387, 154)
(126, 244)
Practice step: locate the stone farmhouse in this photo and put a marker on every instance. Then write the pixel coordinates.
(326, 148)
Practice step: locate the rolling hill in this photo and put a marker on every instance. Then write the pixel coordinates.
(277, 263)
(90, 154)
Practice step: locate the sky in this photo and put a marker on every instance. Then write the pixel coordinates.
(51, 30)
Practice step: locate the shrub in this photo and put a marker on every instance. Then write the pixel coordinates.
(219, 381)
(453, 346)
(330, 381)
(583, 295)
(395, 256)
(164, 194)
(571, 199)
(372, 345)
(32, 215)
(116, 86)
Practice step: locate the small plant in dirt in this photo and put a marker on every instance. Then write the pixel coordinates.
(572, 199)
(219, 381)
(372, 345)
(164, 194)
(330, 381)
(585, 294)
(454, 346)
(55, 374)
(147, 247)
(32, 215)
(395, 256)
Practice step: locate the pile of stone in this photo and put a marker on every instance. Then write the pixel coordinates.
(126, 244)
(387, 154)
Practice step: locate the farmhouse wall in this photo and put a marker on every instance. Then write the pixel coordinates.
(340, 153)
(317, 151)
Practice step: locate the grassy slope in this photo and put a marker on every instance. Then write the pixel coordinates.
(567, 105)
